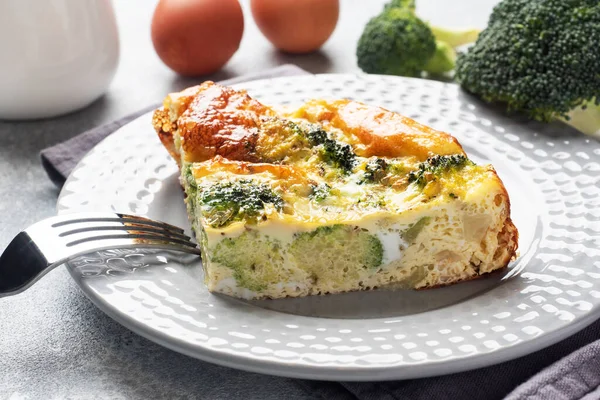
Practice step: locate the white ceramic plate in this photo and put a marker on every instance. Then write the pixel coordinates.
(550, 292)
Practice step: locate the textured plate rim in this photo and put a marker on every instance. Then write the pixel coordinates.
(350, 374)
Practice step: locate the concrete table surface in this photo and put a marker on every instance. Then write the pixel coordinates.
(54, 344)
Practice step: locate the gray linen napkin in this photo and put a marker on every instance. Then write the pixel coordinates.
(567, 370)
(60, 159)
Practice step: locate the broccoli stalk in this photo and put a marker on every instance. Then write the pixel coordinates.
(397, 42)
(585, 119)
(443, 59)
(541, 58)
(452, 37)
(455, 37)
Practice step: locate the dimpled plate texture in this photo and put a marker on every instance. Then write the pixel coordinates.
(552, 175)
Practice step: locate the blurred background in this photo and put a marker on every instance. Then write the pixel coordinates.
(140, 63)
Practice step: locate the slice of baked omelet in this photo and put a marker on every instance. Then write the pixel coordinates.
(331, 197)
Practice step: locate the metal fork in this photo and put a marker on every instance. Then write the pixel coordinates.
(53, 241)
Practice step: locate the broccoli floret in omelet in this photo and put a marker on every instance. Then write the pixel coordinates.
(244, 199)
(320, 192)
(375, 170)
(333, 253)
(436, 166)
(336, 253)
(256, 260)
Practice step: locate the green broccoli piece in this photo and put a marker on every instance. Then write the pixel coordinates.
(189, 176)
(190, 187)
(436, 166)
(443, 59)
(406, 4)
(256, 260)
(397, 42)
(224, 202)
(539, 57)
(411, 234)
(336, 253)
(339, 154)
(375, 170)
(320, 192)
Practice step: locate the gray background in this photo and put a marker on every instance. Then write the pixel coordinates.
(54, 343)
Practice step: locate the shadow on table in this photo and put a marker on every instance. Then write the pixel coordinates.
(317, 62)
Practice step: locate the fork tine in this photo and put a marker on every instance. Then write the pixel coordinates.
(89, 231)
(85, 245)
(147, 221)
(118, 218)
(91, 247)
(53, 241)
(131, 229)
(134, 238)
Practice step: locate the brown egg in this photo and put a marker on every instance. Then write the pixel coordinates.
(296, 26)
(197, 37)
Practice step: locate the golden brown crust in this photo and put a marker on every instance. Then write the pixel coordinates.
(508, 238)
(164, 119)
(471, 278)
(379, 132)
(211, 120)
(176, 103)
(220, 121)
(218, 163)
(164, 127)
(217, 120)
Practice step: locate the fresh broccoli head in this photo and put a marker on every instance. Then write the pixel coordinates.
(406, 4)
(336, 253)
(396, 42)
(539, 57)
(224, 202)
(436, 166)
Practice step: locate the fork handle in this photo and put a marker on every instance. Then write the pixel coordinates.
(21, 264)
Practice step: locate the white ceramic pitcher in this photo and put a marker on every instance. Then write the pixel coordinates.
(56, 56)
